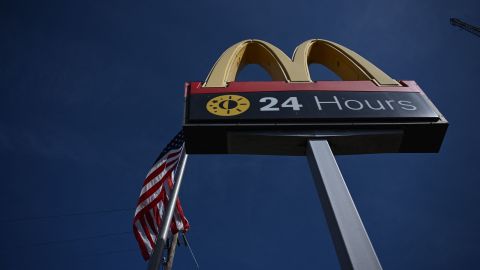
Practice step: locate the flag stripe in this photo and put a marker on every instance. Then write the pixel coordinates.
(157, 215)
(147, 231)
(140, 242)
(151, 177)
(150, 197)
(161, 165)
(160, 160)
(156, 187)
(156, 200)
(145, 245)
(151, 223)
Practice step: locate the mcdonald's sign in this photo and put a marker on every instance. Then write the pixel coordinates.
(366, 112)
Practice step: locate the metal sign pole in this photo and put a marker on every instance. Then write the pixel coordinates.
(156, 258)
(353, 247)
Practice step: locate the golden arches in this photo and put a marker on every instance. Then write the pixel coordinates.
(347, 64)
(273, 60)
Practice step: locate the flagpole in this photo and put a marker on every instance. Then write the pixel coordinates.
(156, 258)
(171, 252)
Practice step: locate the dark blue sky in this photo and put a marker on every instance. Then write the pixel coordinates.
(91, 91)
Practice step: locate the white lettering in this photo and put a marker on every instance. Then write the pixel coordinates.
(389, 104)
(407, 105)
(328, 102)
(292, 102)
(270, 106)
(355, 101)
(375, 108)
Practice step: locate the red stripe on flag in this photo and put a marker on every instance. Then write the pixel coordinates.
(161, 167)
(157, 217)
(186, 225)
(140, 242)
(153, 189)
(147, 231)
(151, 204)
(151, 222)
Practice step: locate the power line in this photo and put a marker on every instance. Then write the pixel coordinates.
(101, 254)
(56, 242)
(465, 26)
(85, 213)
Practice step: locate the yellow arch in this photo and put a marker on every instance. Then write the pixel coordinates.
(347, 64)
(344, 62)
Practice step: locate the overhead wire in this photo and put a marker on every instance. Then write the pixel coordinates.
(70, 240)
(84, 213)
(56, 242)
(77, 239)
(100, 254)
(85, 238)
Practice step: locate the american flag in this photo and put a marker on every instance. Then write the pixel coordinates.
(154, 198)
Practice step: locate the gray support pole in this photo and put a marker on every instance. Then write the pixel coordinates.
(156, 258)
(351, 241)
(171, 252)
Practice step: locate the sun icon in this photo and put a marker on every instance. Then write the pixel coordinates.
(228, 105)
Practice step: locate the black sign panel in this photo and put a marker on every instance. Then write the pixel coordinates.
(309, 106)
